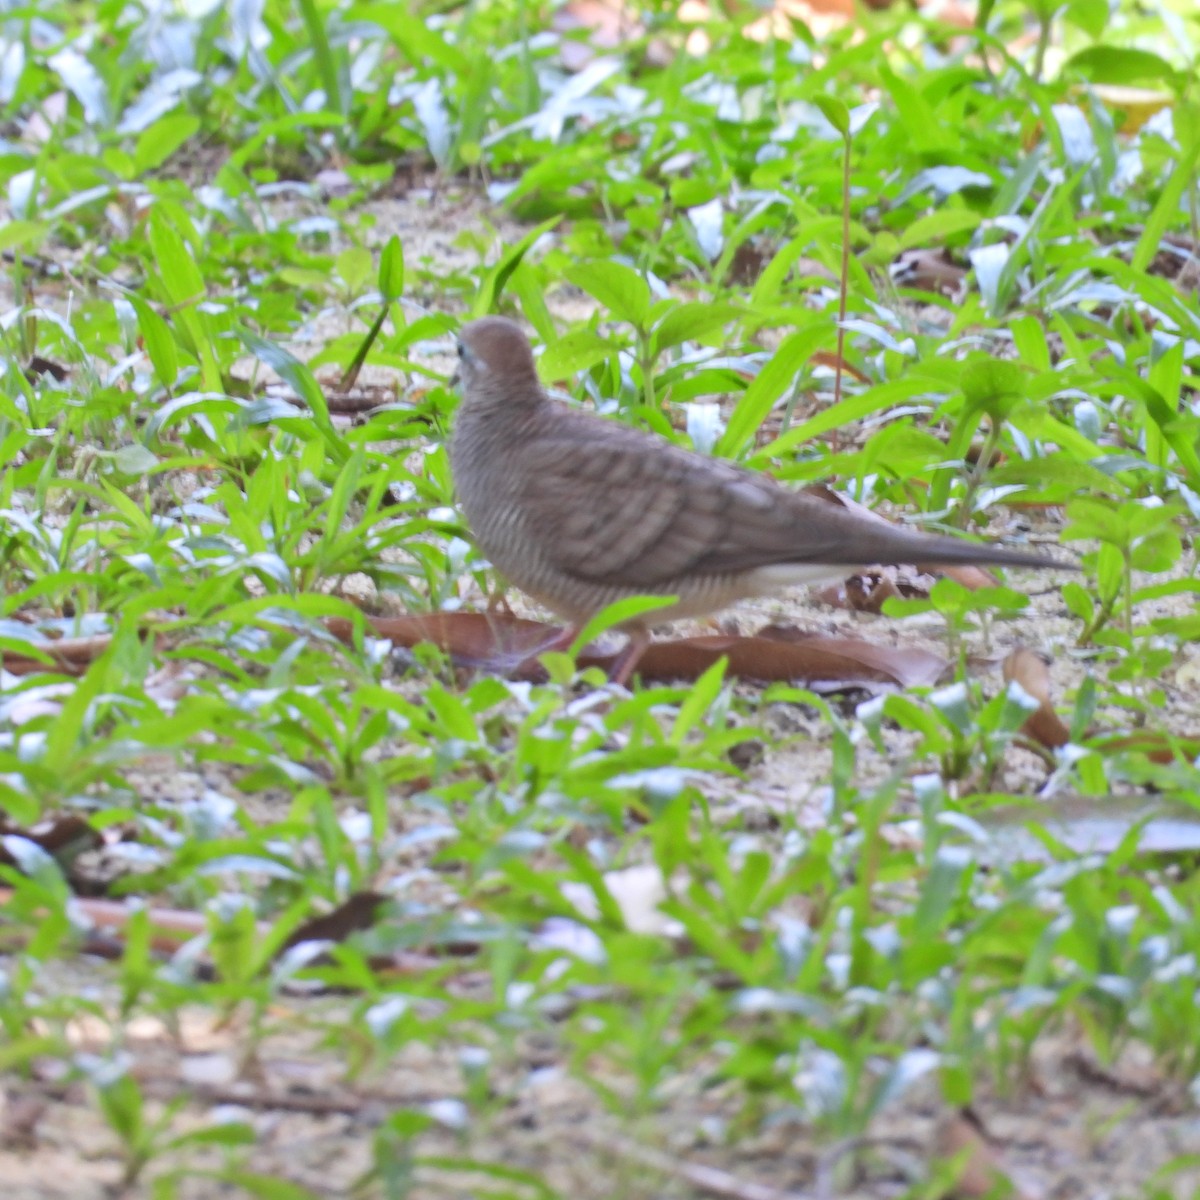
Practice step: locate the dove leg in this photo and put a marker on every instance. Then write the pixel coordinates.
(627, 660)
(622, 669)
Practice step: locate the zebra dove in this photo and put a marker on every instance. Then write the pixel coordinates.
(579, 512)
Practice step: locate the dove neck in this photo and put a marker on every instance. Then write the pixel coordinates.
(509, 398)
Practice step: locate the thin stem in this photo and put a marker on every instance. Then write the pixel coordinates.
(975, 474)
(647, 364)
(1043, 44)
(843, 285)
(1128, 593)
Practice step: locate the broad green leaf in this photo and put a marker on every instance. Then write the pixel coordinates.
(617, 614)
(391, 270)
(159, 342)
(175, 260)
(353, 266)
(696, 320)
(579, 350)
(834, 111)
(1121, 64)
(157, 143)
(135, 459)
(332, 66)
(184, 286)
(770, 384)
(26, 235)
(416, 39)
(497, 276)
(928, 135)
(1089, 15)
(619, 288)
(993, 385)
(937, 227)
(1029, 337)
(852, 409)
(698, 701)
(530, 293)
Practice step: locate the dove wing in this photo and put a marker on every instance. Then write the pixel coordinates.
(618, 506)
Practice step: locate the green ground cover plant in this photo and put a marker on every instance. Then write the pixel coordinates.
(950, 269)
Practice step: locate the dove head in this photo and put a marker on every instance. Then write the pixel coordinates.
(495, 364)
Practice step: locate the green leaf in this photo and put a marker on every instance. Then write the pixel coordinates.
(184, 287)
(353, 267)
(1078, 601)
(157, 143)
(175, 261)
(1053, 478)
(693, 321)
(1166, 210)
(994, 385)
(769, 385)
(1089, 15)
(530, 293)
(852, 409)
(24, 235)
(497, 276)
(295, 373)
(579, 350)
(834, 111)
(698, 701)
(617, 614)
(391, 270)
(267, 1187)
(1121, 65)
(453, 716)
(1110, 571)
(333, 69)
(1029, 337)
(937, 227)
(135, 459)
(927, 135)
(159, 342)
(231, 1133)
(619, 288)
(418, 41)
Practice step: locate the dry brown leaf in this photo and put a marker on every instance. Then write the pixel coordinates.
(866, 591)
(62, 838)
(1045, 726)
(1137, 104)
(1159, 746)
(928, 270)
(359, 912)
(510, 646)
(44, 366)
(68, 656)
(170, 928)
(748, 261)
(828, 358)
(812, 661)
